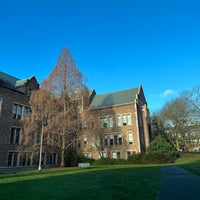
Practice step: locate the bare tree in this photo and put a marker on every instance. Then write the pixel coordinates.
(66, 83)
(175, 115)
(157, 125)
(35, 122)
(193, 99)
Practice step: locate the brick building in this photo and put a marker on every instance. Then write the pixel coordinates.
(114, 125)
(14, 97)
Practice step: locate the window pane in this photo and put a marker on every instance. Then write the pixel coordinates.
(12, 135)
(118, 120)
(110, 119)
(120, 139)
(115, 140)
(10, 158)
(106, 140)
(114, 155)
(19, 112)
(124, 120)
(15, 157)
(14, 111)
(130, 138)
(111, 139)
(17, 136)
(129, 119)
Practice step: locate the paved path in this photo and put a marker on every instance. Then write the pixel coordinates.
(178, 183)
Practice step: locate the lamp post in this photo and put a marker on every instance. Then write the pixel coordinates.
(44, 123)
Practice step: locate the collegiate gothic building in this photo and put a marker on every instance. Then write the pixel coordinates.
(114, 125)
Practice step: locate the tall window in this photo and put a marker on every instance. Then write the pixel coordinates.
(130, 138)
(1, 102)
(15, 135)
(111, 140)
(106, 140)
(118, 120)
(106, 122)
(12, 159)
(17, 111)
(110, 121)
(124, 120)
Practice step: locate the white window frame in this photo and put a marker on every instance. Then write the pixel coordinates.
(130, 137)
(119, 123)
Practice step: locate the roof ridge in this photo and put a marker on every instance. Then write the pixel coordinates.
(117, 91)
(5, 74)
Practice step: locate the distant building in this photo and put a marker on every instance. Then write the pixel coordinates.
(114, 125)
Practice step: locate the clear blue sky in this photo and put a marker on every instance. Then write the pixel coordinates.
(117, 44)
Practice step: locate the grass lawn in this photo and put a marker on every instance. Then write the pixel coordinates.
(190, 162)
(106, 183)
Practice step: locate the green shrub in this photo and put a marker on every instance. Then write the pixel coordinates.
(142, 158)
(150, 158)
(109, 161)
(160, 145)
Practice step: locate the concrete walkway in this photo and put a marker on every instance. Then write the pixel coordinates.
(178, 183)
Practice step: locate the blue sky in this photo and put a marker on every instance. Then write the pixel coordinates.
(117, 44)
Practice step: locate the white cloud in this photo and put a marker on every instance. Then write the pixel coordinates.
(167, 93)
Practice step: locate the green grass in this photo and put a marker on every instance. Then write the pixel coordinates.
(106, 182)
(110, 182)
(190, 162)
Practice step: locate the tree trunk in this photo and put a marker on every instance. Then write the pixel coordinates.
(62, 164)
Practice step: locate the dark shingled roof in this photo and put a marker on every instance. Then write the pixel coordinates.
(114, 98)
(11, 81)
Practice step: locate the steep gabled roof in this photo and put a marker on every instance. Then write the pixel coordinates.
(114, 98)
(7, 80)
(11, 81)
